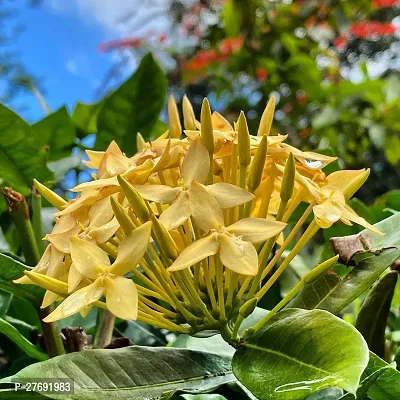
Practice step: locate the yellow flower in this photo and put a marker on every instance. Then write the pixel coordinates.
(107, 280)
(234, 243)
(194, 171)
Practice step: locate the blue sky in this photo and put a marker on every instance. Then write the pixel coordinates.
(59, 44)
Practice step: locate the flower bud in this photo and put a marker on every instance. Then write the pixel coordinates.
(47, 282)
(164, 239)
(207, 134)
(288, 179)
(257, 165)
(247, 308)
(267, 118)
(135, 199)
(140, 142)
(122, 217)
(189, 118)
(53, 198)
(354, 185)
(243, 141)
(312, 275)
(175, 128)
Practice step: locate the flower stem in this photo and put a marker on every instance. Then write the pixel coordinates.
(37, 219)
(19, 213)
(104, 332)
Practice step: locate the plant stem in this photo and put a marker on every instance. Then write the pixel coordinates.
(37, 219)
(104, 332)
(19, 213)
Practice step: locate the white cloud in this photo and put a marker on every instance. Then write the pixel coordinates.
(119, 16)
(72, 67)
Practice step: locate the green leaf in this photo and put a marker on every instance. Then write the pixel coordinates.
(11, 269)
(387, 384)
(85, 116)
(327, 394)
(134, 107)
(12, 333)
(203, 397)
(360, 279)
(5, 300)
(57, 132)
(332, 293)
(373, 315)
(21, 155)
(298, 352)
(232, 16)
(392, 149)
(133, 372)
(63, 165)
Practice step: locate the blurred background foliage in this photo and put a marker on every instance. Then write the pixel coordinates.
(332, 65)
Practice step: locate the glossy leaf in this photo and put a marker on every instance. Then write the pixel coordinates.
(291, 356)
(374, 254)
(21, 156)
(386, 386)
(85, 117)
(57, 132)
(373, 315)
(11, 269)
(12, 333)
(134, 107)
(133, 372)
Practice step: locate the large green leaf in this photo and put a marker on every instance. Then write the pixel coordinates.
(134, 107)
(372, 254)
(11, 269)
(12, 333)
(373, 315)
(85, 117)
(56, 131)
(132, 372)
(298, 352)
(386, 386)
(21, 156)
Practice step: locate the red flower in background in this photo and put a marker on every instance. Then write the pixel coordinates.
(340, 42)
(369, 28)
(231, 45)
(118, 44)
(262, 74)
(384, 3)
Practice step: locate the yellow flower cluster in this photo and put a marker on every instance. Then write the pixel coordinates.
(188, 233)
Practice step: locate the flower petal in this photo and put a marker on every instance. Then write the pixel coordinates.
(197, 251)
(131, 250)
(49, 298)
(97, 184)
(87, 257)
(326, 214)
(196, 164)
(158, 193)
(206, 211)
(105, 232)
(229, 195)
(256, 230)
(177, 213)
(350, 214)
(74, 278)
(238, 255)
(100, 213)
(121, 297)
(77, 301)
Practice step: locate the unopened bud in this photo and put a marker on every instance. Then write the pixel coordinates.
(257, 165)
(267, 118)
(319, 270)
(207, 134)
(53, 198)
(140, 142)
(47, 282)
(243, 141)
(122, 217)
(289, 175)
(189, 118)
(247, 308)
(355, 184)
(175, 128)
(164, 239)
(135, 199)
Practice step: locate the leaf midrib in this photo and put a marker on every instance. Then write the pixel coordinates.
(255, 347)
